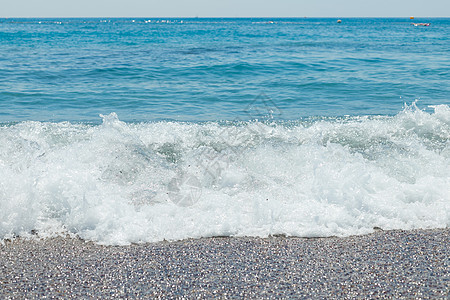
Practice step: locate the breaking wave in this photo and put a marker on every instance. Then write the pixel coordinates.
(120, 183)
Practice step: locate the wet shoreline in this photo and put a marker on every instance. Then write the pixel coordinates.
(385, 264)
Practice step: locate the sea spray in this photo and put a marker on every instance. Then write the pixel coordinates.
(118, 183)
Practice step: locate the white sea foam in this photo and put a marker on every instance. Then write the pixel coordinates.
(119, 183)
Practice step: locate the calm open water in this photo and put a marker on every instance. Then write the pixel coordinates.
(212, 69)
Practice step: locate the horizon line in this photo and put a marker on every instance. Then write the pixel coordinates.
(217, 17)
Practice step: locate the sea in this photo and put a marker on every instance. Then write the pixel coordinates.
(122, 130)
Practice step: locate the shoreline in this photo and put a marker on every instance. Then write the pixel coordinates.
(384, 264)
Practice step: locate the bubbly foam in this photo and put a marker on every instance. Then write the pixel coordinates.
(118, 183)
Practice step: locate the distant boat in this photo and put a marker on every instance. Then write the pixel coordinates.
(420, 24)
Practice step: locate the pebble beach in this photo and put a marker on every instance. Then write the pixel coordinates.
(386, 264)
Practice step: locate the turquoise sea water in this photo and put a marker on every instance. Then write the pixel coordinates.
(140, 130)
(212, 69)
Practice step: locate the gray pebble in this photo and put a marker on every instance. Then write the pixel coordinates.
(385, 264)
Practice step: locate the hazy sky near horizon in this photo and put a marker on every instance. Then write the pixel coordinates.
(224, 8)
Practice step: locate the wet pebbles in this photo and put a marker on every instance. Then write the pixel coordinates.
(385, 264)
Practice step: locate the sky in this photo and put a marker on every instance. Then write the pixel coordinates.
(224, 8)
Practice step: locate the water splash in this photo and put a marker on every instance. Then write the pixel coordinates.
(117, 183)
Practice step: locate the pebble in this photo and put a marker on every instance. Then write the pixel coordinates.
(386, 264)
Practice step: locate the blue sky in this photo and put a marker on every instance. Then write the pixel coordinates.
(223, 8)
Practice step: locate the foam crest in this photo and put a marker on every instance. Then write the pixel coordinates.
(118, 183)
